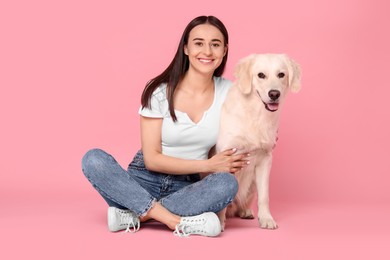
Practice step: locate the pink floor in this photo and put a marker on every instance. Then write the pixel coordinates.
(76, 229)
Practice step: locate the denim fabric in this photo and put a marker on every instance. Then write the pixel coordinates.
(138, 188)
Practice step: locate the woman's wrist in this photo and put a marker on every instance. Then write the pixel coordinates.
(205, 166)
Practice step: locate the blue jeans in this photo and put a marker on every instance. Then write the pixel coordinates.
(138, 188)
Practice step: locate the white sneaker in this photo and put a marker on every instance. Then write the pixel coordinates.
(206, 224)
(119, 219)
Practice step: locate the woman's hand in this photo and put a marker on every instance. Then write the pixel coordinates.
(228, 161)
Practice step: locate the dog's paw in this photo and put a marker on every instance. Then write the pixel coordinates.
(267, 223)
(246, 214)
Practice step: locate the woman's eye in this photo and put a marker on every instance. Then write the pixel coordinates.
(215, 45)
(261, 75)
(281, 75)
(198, 43)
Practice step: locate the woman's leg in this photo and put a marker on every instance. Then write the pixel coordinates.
(116, 186)
(121, 190)
(161, 214)
(211, 194)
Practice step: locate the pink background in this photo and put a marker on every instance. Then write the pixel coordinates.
(71, 75)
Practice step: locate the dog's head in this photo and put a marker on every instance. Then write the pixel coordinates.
(269, 76)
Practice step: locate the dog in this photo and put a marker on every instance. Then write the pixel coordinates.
(249, 122)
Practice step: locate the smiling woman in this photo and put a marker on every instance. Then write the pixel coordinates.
(214, 30)
(179, 125)
(205, 49)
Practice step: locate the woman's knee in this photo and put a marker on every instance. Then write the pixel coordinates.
(93, 160)
(231, 183)
(226, 183)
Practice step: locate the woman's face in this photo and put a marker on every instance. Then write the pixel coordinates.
(205, 48)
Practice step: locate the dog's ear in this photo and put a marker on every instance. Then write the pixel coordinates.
(243, 73)
(294, 74)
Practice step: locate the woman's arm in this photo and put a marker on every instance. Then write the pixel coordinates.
(156, 161)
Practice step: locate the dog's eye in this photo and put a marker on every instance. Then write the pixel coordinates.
(281, 75)
(261, 75)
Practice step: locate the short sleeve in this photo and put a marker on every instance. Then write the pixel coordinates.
(158, 104)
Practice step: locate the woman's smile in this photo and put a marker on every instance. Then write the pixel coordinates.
(206, 61)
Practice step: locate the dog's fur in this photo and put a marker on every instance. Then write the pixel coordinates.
(249, 122)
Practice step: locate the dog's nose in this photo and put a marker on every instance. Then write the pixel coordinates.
(274, 94)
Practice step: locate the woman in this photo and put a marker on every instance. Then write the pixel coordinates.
(179, 120)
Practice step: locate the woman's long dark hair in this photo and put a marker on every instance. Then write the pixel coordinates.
(180, 64)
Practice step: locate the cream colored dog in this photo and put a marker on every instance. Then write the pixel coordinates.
(249, 122)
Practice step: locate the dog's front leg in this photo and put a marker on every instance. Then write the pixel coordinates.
(263, 171)
(222, 218)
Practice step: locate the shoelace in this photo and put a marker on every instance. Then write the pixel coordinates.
(184, 229)
(180, 230)
(131, 226)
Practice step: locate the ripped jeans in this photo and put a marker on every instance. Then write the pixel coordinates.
(138, 188)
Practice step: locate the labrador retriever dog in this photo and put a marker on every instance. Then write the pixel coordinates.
(249, 122)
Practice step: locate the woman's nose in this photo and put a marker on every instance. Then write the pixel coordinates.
(207, 49)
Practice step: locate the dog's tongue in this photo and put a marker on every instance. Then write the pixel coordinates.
(273, 106)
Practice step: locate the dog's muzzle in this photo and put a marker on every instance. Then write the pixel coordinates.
(273, 105)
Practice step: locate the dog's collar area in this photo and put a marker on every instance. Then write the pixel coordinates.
(272, 107)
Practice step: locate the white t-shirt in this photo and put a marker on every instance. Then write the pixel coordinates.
(183, 138)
